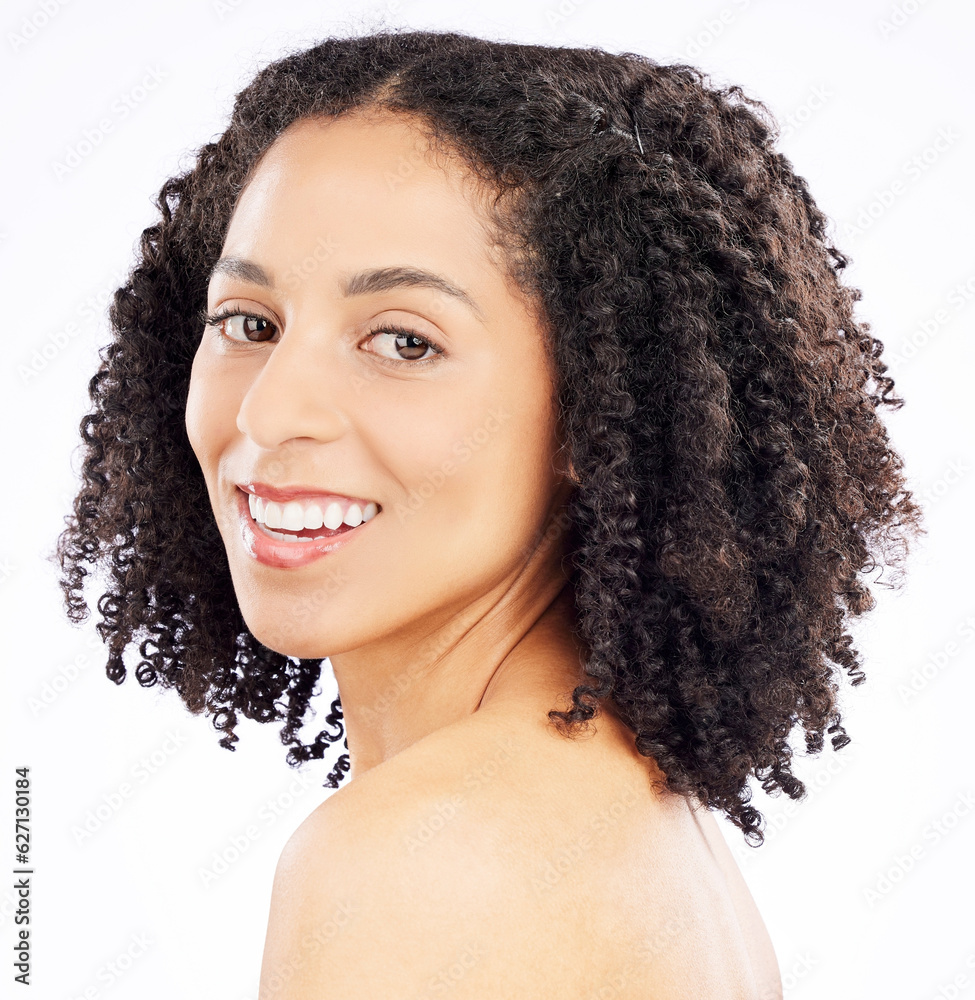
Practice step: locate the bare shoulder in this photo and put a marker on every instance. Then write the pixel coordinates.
(403, 885)
(498, 858)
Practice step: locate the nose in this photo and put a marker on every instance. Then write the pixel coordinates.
(295, 395)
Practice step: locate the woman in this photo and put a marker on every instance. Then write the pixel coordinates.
(524, 377)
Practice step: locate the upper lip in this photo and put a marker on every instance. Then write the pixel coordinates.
(282, 494)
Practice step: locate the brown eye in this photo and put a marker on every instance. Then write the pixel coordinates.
(397, 344)
(255, 329)
(415, 347)
(258, 325)
(242, 327)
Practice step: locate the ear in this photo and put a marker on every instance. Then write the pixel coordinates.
(564, 467)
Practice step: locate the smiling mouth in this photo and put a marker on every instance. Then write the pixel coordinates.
(324, 517)
(304, 535)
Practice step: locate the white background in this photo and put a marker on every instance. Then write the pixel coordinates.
(862, 894)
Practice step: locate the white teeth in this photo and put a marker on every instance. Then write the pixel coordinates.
(288, 538)
(292, 516)
(273, 514)
(332, 517)
(296, 515)
(313, 516)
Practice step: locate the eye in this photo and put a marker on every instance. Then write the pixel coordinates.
(249, 324)
(408, 347)
(403, 347)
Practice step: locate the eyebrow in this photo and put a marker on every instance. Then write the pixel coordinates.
(377, 279)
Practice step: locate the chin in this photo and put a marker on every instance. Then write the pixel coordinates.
(291, 621)
(304, 632)
(298, 640)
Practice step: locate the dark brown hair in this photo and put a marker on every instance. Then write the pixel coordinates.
(718, 396)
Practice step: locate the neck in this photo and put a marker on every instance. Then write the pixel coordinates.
(511, 648)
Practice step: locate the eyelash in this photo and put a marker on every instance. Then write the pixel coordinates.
(216, 318)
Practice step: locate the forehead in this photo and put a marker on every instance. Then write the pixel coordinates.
(359, 138)
(359, 169)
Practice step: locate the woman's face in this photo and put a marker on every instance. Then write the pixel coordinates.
(444, 425)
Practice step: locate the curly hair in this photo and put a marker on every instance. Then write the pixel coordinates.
(719, 403)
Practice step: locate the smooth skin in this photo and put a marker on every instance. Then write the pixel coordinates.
(472, 849)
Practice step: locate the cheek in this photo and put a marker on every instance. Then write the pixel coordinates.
(210, 407)
(196, 411)
(472, 471)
